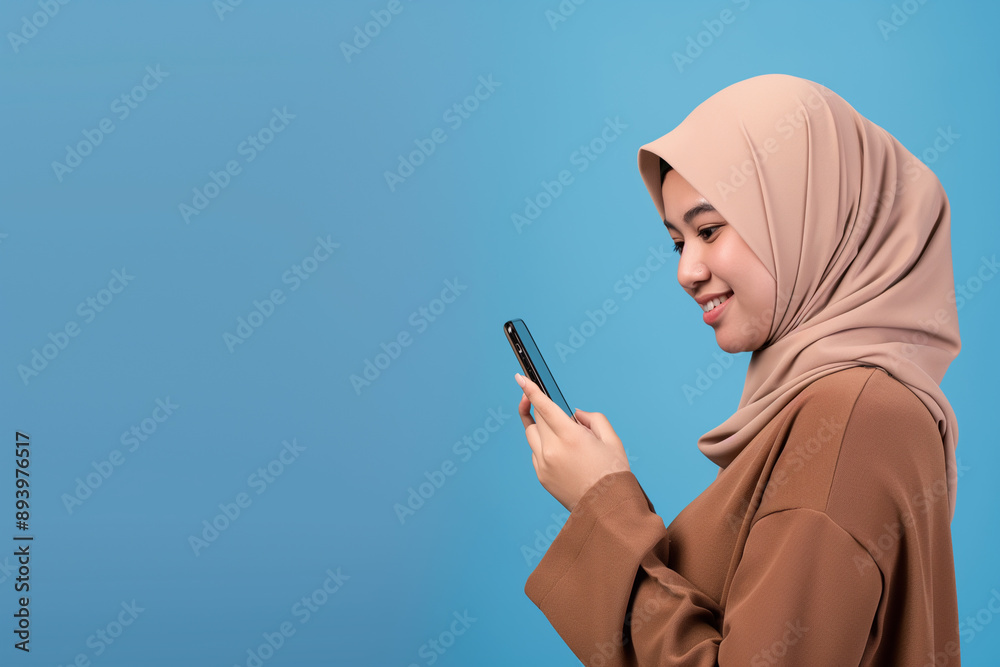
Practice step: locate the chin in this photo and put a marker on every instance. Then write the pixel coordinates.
(731, 349)
(733, 346)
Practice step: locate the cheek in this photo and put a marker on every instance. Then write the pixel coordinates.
(756, 288)
(734, 267)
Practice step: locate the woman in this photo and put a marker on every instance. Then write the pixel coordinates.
(810, 236)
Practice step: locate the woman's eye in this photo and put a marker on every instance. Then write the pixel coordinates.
(707, 232)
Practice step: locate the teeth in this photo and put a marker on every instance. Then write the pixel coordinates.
(718, 301)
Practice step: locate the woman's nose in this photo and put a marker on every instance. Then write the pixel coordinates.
(691, 269)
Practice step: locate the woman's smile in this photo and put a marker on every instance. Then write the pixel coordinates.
(713, 306)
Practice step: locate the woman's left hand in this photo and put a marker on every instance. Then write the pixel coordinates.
(569, 458)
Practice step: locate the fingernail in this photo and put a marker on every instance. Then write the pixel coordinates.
(519, 378)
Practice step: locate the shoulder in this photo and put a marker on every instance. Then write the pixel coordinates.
(850, 439)
(861, 403)
(868, 384)
(891, 466)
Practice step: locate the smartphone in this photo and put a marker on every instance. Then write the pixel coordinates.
(533, 364)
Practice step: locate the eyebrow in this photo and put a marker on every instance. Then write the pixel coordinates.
(692, 213)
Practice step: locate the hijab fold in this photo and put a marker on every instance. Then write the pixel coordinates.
(854, 229)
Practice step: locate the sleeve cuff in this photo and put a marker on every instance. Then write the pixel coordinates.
(601, 532)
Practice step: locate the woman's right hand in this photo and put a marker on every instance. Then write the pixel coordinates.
(569, 457)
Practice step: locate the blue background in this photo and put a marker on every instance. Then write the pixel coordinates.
(469, 547)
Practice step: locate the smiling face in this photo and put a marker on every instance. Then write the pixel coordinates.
(718, 269)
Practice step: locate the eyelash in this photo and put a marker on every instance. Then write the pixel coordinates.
(678, 246)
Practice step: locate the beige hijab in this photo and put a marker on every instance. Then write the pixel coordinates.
(854, 229)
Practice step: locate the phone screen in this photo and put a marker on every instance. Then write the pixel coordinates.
(534, 366)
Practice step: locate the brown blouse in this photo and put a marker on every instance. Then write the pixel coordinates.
(827, 541)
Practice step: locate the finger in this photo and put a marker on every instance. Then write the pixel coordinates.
(598, 424)
(534, 442)
(545, 432)
(557, 421)
(536, 433)
(530, 428)
(524, 409)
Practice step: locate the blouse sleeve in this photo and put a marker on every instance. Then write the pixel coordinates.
(804, 591)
